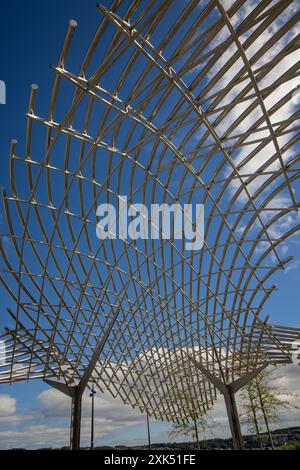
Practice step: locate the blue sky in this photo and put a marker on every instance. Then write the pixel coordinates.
(31, 34)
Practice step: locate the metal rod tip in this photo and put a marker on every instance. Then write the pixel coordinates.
(73, 23)
(34, 86)
(13, 141)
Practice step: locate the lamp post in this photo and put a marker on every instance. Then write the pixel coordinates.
(196, 432)
(93, 392)
(148, 432)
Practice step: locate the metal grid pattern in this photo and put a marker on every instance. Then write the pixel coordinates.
(161, 111)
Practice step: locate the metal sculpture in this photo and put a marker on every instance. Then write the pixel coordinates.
(173, 102)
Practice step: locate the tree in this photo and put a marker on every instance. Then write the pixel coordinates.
(261, 404)
(251, 409)
(190, 428)
(193, 425)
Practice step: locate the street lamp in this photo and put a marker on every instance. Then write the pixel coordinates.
(93, 392)
(148, 431)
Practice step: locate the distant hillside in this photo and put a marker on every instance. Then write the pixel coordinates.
(281, 437)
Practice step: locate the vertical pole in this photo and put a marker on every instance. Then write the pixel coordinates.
(148, 430)
(196, 433)
(233, 417)
(75, 419)
(92, 394)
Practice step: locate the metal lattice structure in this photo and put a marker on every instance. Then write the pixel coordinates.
(186, 102)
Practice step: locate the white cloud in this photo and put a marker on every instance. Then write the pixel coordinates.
(294, 265)
(34, 436)
(57, 404)
(49, 426)
(7, 405)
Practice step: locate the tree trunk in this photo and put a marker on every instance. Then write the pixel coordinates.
(265, 416)
(255, 420)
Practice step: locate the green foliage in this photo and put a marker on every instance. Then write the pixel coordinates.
(292, 446)
(193, 426)
(261, 403)
(188, 429)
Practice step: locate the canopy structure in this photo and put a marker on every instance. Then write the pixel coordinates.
(173, 102)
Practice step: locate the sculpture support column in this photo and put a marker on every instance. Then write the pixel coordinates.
(228, 390)
(75, 419)
(233, 418)
(76, 391)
